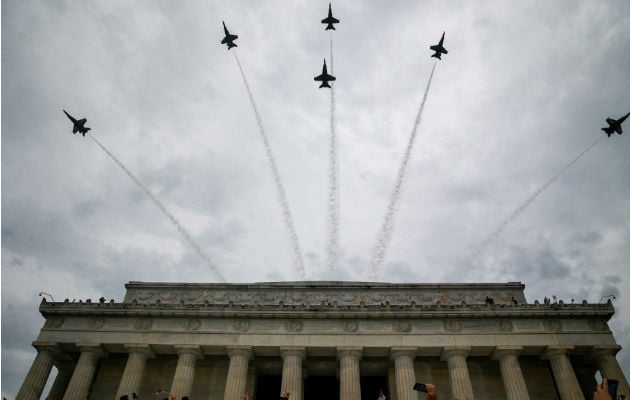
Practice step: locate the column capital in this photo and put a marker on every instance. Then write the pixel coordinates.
(555, 350)
(298, 351)
(90, 347)
(240, 351)
(140, 348)
(402, 351)
(451, 351)
(344, 351)
(605, 350)
(503, 351)
(52, 347)
(189, 349)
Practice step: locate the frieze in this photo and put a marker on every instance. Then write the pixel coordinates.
(598, 325)
(54, 323)
(528, 325)
(452, 326)
(293, 325)
(191, 324)
(143, 324)
(402, 326)
(241, 325)
(350, 326)
(96, 323)
(552, 325)
(506, 325)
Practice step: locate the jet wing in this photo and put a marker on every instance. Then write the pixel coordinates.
(229, 38)
(75, 129)
(82, 121)
(611, 121)
(439, 48)
(325, 77)
(330, 20)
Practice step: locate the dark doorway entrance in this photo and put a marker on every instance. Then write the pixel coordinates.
(371, 387)
(321, 388)
(268, 387)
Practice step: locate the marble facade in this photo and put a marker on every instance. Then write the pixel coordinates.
(218, 341)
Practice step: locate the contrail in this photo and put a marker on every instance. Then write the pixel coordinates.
(520, 209)
(162, 208)
(282, 197)
(385, 234)
(333, 178)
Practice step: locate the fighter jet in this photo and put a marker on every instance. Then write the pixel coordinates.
(79, 125)
(614, 125)
(439, 48)
(229, 38)
(330, 20)
(324, 77)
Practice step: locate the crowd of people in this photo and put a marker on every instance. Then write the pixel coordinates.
(602, 393)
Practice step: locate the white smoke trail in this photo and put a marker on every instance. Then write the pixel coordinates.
(520, 209)
(282, 197)
(333, 178)
(162, 208)
(385, 234)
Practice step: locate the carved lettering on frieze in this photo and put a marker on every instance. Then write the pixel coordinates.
(452, 326)
(598, 325)
(506, 325)
(350, 326)
(552, 325)
(96, 323)
(377, 326)
(528, 325)
(192, 324)
(241, 325)
(293, 325)
(143, 324)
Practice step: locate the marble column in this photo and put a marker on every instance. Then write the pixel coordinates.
(458, 374)
(79, 386)
(608, 366)
(134, 370)
(236, 382)
(349, 373)
(405, 374)
(563, 374)
(513, 380)
(64, 373)
(292, 380)
(185, 370)
(35, 380)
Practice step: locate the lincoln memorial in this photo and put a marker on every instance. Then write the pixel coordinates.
(322, 340)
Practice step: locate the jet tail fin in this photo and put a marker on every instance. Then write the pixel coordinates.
(609, 131)
(324, 84)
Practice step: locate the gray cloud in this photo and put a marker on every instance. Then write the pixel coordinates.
(525, 87)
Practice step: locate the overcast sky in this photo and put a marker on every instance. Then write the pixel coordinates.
(525, 88)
